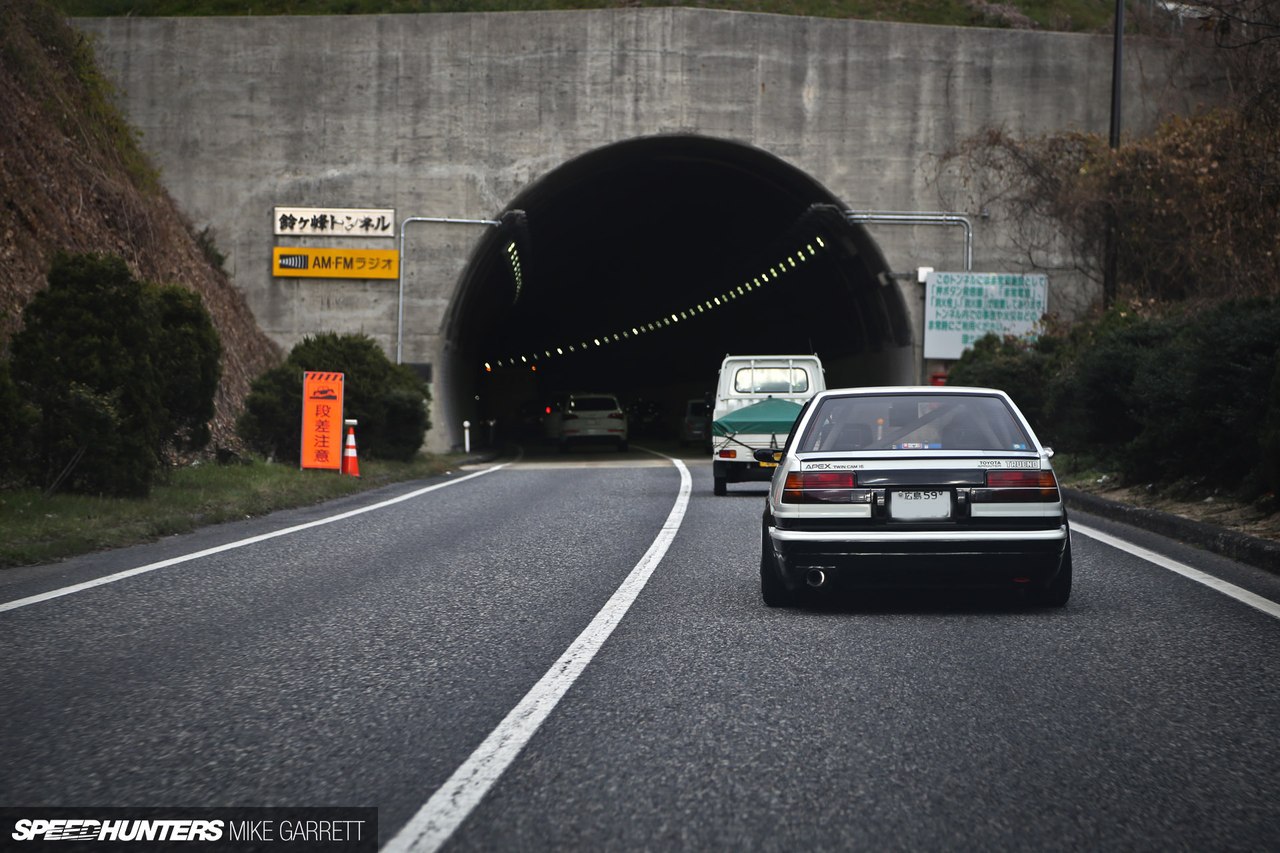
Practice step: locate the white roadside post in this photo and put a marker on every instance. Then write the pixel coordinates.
(466, 436)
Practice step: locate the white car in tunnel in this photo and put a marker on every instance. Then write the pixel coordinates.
(914, 487)
(587, 419)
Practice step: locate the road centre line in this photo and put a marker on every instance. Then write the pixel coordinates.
(1266, 605)
(231, 546)
(450, 805)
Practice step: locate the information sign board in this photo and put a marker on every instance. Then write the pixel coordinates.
(334, 222)
(307, 262)
(322, 394)
(961, 307)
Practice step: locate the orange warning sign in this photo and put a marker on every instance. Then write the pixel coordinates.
(322, 420)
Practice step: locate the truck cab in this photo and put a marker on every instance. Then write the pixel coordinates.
(757, 400)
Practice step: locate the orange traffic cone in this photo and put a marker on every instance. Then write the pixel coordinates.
(350, 461)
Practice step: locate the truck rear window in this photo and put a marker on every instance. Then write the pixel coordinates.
(771, 380)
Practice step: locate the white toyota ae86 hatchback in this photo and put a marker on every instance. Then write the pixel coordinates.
(913, 487)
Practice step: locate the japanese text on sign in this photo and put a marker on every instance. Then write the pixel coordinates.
(306, 262)
(322, 419)
(334, 222)
(961, 307)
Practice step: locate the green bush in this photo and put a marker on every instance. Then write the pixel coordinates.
(1163, 398)
(118, 370)
(81, 358)
(18, 420)
(186, 355)
(388, 400)
(1270, 438)
(1090, 400)
(1202, 398)
(1015, 366)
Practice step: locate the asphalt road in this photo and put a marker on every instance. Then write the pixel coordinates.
(362, 661)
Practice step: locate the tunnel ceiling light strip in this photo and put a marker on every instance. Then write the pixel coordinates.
(759, 281)
(517, 273)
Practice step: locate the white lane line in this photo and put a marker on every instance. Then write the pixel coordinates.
(449, 806)
(230, 546)
(1266, 605)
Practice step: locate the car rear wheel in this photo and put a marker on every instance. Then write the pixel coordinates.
(720, 486)
(622, 446)
(1058, 591)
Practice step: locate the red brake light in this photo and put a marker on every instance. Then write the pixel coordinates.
(1014, 486)
(804, 487)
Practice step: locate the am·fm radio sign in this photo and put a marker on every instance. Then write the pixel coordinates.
(322, 420)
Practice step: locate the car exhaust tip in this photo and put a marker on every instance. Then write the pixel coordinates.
(815, 578)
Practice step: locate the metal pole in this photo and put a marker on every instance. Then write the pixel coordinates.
(400, 277)
(898, 217)
(1109, 260)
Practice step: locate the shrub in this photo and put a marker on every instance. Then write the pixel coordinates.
(1270, 437)
(1162, 397)
(117, 371)
(82, 359)
(388, 400)
(18, 420)
(1089, 400)
(1017, 367)
(186, 355)
(1202, 398)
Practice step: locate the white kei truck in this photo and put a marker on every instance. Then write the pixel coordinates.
(758, 398)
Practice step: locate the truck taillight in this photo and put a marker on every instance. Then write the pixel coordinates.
(728, 453)
(808, 487)
(1021, 486)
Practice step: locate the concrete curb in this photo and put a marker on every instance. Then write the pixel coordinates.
(1262, 553)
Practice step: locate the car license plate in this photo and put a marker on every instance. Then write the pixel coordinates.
(922, 503)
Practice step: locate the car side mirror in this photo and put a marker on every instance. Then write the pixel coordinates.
(767, 454)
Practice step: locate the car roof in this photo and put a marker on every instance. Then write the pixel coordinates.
(911, 389)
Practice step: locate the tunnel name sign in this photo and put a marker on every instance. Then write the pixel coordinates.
(322, 395)
(306, 262)
(961, 307)
(334, 221)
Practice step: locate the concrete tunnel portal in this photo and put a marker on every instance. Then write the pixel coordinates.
(643, 263)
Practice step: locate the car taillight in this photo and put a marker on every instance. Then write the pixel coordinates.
(1014, 486)
(728, 453)
(810, 487)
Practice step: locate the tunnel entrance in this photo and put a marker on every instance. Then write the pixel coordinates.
(643, 263)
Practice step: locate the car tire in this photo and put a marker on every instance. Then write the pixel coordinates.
(772, 589)
(564, 446)
(623, 445)
(719, 486)
(1058, 591)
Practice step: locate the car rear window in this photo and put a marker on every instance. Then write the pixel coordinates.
(914, 422)
(771, 380)
(593, 404)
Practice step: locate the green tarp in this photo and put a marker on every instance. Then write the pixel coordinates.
(771, 416)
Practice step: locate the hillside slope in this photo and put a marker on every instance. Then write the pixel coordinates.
(72, 178)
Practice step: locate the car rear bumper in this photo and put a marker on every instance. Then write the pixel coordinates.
(920, 559)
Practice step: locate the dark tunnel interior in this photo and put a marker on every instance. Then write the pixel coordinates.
(642, 264)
